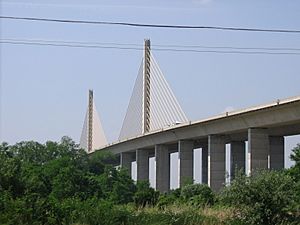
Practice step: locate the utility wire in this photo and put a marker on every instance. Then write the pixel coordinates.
(230, 47)
(71, 42)
(150, 25)
(154, 45)
(140, 48)
(68, 45)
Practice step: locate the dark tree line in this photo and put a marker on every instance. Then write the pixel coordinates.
(38, 180)
(58, 183)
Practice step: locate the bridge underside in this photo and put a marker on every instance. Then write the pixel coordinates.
(263, 128)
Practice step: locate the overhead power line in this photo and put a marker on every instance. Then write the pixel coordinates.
(154, 45)
(150, 25)
(230, 47)
(124, 47)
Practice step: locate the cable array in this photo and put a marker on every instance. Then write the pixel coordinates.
(99, 139)
(133, 121)
(165, 110)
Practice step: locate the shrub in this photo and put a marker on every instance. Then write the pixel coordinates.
(294, 171)
(166, 200)
(145, 195)
(176, 192)
(198, 194)
(267, 197)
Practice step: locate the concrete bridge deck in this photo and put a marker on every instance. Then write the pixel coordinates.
(262, 126)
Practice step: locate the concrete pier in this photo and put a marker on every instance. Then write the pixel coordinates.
(216, 161)
(126, 159)
(185, 155)
(263, 127)
(142, 164)
(162, 159)
(276, 152)
(204, 164)
(258, 148)
(237, 159)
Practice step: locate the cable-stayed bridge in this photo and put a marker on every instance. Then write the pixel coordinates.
(92, 136)
(152, 105)
(155, 125)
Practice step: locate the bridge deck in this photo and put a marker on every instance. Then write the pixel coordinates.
(281, 117)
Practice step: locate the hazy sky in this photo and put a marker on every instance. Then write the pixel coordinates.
(44, 89)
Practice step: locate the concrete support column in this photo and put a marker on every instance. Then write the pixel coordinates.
(162, 158)
(204, 165)
(276, 153)
(186, 156)
(237, 160)
(216, 162)
(126, 159)
(142, 164)
(258, 149)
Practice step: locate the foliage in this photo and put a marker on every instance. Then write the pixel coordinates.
(145, 195)
(170, 198)
(117, 185)
(198, 194)
(267, 197)
(294, 171)
(53, 183)
(176, 215)
(176, 192)
(165, 200)
(99, 160)
(58, 183)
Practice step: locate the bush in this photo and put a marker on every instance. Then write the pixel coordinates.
(176, 192)
(145, 195)
(294, 171)
(166, 200)
(267, 197)
(198, 194)
(173, 197)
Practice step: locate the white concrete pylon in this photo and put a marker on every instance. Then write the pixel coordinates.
(92, 136)
(164, 109)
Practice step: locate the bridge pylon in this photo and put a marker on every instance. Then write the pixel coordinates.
(92, 136)
(152, 105)
(146, 77)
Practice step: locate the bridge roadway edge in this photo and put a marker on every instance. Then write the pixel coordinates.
(280, 119)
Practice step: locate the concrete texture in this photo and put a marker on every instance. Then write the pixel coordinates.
(257, 124)
(126, 159)
(162, 159)
(186, 156)
(216, 162)
(237, 159)
(258, 148)
(204, 165)
(276, 153)
(280, 120)
(142, 164)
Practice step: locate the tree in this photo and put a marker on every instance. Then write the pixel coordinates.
(117, 185)
(198, 194)
(145, 195)
(294, 171)
(99, 160)
(266, 197)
